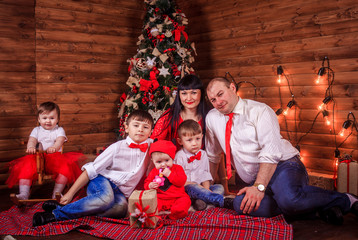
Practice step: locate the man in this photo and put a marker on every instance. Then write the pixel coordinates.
(269, 164)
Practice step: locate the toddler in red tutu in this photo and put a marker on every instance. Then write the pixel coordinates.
(64, 167)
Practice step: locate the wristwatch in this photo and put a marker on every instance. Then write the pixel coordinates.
(260, 187)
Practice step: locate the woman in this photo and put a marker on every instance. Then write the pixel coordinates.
(189, 103)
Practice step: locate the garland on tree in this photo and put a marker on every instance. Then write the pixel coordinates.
(164, 56)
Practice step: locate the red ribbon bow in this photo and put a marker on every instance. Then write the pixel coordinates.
(143, 147)
(178, 31)
(145, 85)
(143, 218)
(195, 157)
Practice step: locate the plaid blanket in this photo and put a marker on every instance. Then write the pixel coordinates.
(214, 223)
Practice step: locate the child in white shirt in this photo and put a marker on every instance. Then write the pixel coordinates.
(196, 166)
(111, 178)
(51, 138)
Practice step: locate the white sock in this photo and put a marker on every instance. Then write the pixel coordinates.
(24, 192)
(58, 189)
(352, 198)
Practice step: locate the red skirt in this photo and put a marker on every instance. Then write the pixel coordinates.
(55, 163)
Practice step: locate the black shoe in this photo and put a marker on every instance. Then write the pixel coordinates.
(50, 205)
(42, 218)
(229, 203)
(199, 205)
(354, 208)
(332, 215)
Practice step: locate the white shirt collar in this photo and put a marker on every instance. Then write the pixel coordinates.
(129, 141)
(239, 107)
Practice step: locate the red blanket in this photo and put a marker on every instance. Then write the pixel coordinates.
(214, 223)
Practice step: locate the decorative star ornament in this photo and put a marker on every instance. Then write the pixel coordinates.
(164, 71)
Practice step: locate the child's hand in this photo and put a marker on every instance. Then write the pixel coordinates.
(51, 150)
(153, 185)
(66, 199)
(166, 172)
(31, 150)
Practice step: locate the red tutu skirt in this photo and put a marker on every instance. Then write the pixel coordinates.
(55, 163)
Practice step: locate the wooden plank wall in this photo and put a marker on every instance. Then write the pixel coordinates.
(73, 53)
(17, 77)
(250, 39)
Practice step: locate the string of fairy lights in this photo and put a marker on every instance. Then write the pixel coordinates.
(325, 73)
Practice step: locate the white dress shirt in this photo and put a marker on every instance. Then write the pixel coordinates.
(48, 137)
(122, 165)
(255, 138)
(197, 171)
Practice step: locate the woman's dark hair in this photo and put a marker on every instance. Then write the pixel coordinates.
(188, 82)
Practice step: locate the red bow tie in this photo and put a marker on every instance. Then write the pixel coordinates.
(197, 157)
(143, 147)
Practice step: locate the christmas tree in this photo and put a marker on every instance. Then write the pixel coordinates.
(164, 56)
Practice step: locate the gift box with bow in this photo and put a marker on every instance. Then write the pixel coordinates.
(143, 209)
(347, 175)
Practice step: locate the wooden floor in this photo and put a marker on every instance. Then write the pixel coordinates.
(302, 229)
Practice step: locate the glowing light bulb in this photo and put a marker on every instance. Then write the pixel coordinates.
(321, 107)
(324, 103)
(327, 121)
(279, 79)
(279, 74)
(342, 133)
(318, 79)
(325, 116)
(345, 126)
(320, 74)
(286, 111)
(289, 105)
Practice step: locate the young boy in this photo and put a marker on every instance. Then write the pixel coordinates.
(111, 177)
(171, 194)
(196, 166)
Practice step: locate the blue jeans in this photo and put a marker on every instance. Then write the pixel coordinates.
(103, 199)
(215, 196)
(288, 193)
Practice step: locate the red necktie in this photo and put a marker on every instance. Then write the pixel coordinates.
(143, 147)
(227, 144)
(197, 156)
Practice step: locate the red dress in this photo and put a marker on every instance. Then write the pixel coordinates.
(162, 132)
(55, 163)
(172, 195)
